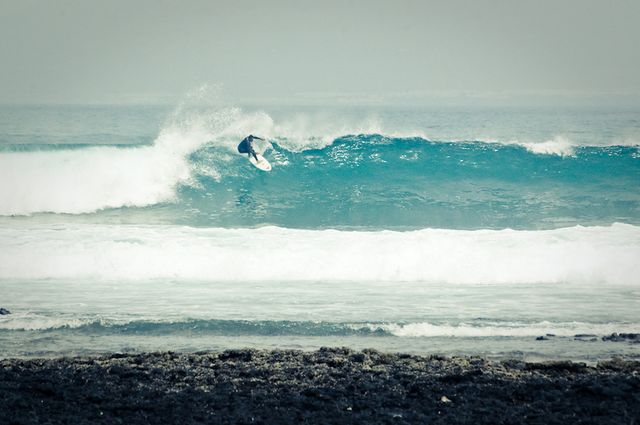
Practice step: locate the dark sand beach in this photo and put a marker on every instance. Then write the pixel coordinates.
(331, 385)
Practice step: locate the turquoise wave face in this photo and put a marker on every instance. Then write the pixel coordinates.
(229, 328)
(335, 168)
(371, 181)
(356, 182)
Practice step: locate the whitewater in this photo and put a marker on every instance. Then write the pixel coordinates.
(603, 255)
(464, 231)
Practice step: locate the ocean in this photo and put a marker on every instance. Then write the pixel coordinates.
(456, 230)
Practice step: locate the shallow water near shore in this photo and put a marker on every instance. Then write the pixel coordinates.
(497, 320)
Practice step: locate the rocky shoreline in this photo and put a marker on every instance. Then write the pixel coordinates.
(331, 385)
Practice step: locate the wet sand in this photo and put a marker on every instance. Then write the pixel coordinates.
(331, 385)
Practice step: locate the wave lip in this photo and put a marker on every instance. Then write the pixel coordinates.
(556, 146)
(598, 254)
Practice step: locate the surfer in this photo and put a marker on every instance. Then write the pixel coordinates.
(246, 146)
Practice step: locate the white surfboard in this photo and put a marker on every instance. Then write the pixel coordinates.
(261, 163)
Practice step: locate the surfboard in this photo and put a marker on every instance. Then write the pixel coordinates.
(261, 163)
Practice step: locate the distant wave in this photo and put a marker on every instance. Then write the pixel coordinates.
(32, 322)
(605, 255)
(198, 150)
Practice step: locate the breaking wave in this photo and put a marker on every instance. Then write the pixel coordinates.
(194, 157)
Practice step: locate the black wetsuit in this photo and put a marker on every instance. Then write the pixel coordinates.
(246, 146)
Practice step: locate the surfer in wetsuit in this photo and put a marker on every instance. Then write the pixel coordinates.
(246, 146)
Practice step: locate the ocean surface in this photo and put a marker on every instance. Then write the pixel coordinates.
(423, 230)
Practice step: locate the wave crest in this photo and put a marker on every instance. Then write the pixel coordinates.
(88, 179)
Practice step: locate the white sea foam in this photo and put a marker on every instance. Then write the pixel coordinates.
(557, 146)
(606, 255)
(86, 180)
(32, 321)
(560, 329)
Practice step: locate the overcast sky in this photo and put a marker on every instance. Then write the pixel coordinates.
(84, 51)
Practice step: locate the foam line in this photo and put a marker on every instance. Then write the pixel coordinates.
(606, 255)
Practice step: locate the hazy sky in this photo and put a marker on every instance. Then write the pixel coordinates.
(148, 50)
